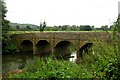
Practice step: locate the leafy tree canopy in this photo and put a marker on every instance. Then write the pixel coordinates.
(7, 44)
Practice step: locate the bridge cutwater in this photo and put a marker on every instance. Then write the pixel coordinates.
(57, 43)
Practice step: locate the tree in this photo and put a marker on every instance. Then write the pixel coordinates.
(5, 23)
(7, 44)
(64, 27)
(85, 28)
(28, 27)
(92, 27)
(118, 23)
(17, 27)
(73, 28)
(42, 26)
(55, 28)
(104, 27)
(116, 41)
(117, 32)
(111, 27)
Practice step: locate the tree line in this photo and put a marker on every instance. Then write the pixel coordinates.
(43, 27)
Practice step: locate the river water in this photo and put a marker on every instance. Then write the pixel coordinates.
(18, 61)
(13, 62)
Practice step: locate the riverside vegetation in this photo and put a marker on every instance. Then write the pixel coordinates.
(102, 64)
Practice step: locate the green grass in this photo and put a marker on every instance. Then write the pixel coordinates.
(52, 68)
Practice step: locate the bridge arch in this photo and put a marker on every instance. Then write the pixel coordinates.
(84, 49)
(63, 49)
(26, 46)
(43, 48)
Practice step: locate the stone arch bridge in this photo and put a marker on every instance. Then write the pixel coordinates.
(56, 43)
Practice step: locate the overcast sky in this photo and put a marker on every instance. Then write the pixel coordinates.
(63, 12)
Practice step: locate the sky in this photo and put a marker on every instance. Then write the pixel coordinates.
(63, 12)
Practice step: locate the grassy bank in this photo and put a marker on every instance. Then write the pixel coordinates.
(103, 63)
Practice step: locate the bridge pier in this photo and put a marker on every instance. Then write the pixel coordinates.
(52, 51)
(34, 47)
(33, 50)
(78, 60)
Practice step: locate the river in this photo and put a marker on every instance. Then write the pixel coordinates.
(13, 62)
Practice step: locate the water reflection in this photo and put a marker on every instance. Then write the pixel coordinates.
(14, 62)
(73, 57)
